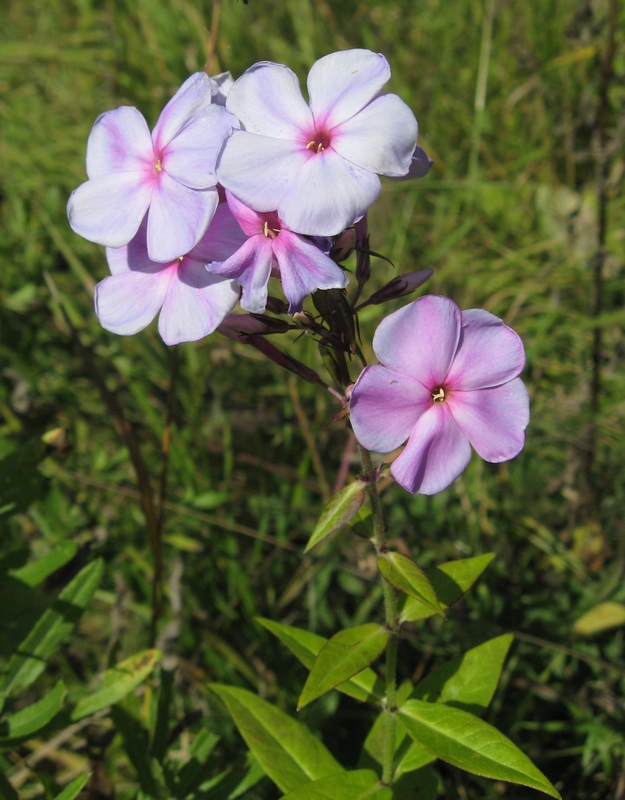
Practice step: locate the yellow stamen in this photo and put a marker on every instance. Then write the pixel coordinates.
(439, 395)
(159, 165)
(270, 233)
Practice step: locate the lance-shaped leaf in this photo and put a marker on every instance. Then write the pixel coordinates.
(600, 618)
(37, 571)
(402, 573)
(343, 656)
(50, 629)
(364, 686)
(467, 681)
(73, 788)
(117, 682)
(470, 744)
(361, 784)
(339, 511)
(450, 581)
(27, 721)
(288, 753)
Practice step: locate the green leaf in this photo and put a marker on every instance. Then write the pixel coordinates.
(51, 629)
(402, 573)
(600, 618)
(361, 784)
(372, 753)
(288, 753)
(27, 721)
(343, 656)
(467, 681)
(364, 686)
(36, 572)
(338, 512)
(73, 788)
(117, 683)
(450, 581)
(136, 748)
(470, 744)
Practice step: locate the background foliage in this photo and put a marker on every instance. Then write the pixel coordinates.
(522, 214)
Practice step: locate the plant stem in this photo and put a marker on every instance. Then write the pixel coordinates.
(390, 606)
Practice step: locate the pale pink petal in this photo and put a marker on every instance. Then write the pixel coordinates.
(267, 100)
(304, 269)
(384, 408)
(489, 353)
(436, 454)
(420, 339)
(127, 302)
(222, 239)
(109, 210)
(250, 221)
(250, 266)
(178, 218)
(119, 142)
(494, 420)
(260, 170)
(191, 156)
(191, 99)
(381, 138)
(341, 84)
(195, 304)
(220, 86)
(327, 196)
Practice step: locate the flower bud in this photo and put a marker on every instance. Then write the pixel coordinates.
(399, 286)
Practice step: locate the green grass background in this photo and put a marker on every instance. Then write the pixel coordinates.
(508, 99)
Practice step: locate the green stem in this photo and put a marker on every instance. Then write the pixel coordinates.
(390, 606)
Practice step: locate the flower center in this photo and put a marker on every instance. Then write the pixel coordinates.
(438, 395)
(270, 233)
(319, 142)
(158, 167)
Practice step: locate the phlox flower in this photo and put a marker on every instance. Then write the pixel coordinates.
(316, 165)
(271, 248)
(192, 301)
(447, 380)
(168, 175)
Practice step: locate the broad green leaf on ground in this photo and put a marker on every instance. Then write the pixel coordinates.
(117, 682)
(469, 680)
(364, 686)
(470, 744)
(402, 573)
(450, 581)
(338, 512)
(37, 571)
(27, 721)
(343, 656)
(362, 784)
(600, 618)
(286, 750)
(73, 788)
(51, 628)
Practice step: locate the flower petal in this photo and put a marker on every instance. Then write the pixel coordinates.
(178, 218)
(127, 302)
(222, 238)
(436, 454)
(341, 84)
(381, 138)
(328, 195)
(489, 353)
(494, 420)
(119, 142)
(420, 339)
(259, 170)
(191, 156)
(304, 269)
(250, 221)
(191, 99)
(250, 266)
(267, 99)
(108, 210)
(385, 407)
(195, 304)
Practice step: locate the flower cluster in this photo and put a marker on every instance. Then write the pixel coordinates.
(293, 173)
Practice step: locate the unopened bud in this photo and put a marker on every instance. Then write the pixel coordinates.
(253, 324)
(344, 245)
(304, 319)
(399, 286)
(363, 257)
(419, 166)
(276, 306)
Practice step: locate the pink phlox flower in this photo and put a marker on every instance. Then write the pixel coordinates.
(168, 175)
(272, 249)
(317, 165)
(192, 301)
(447, 380)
